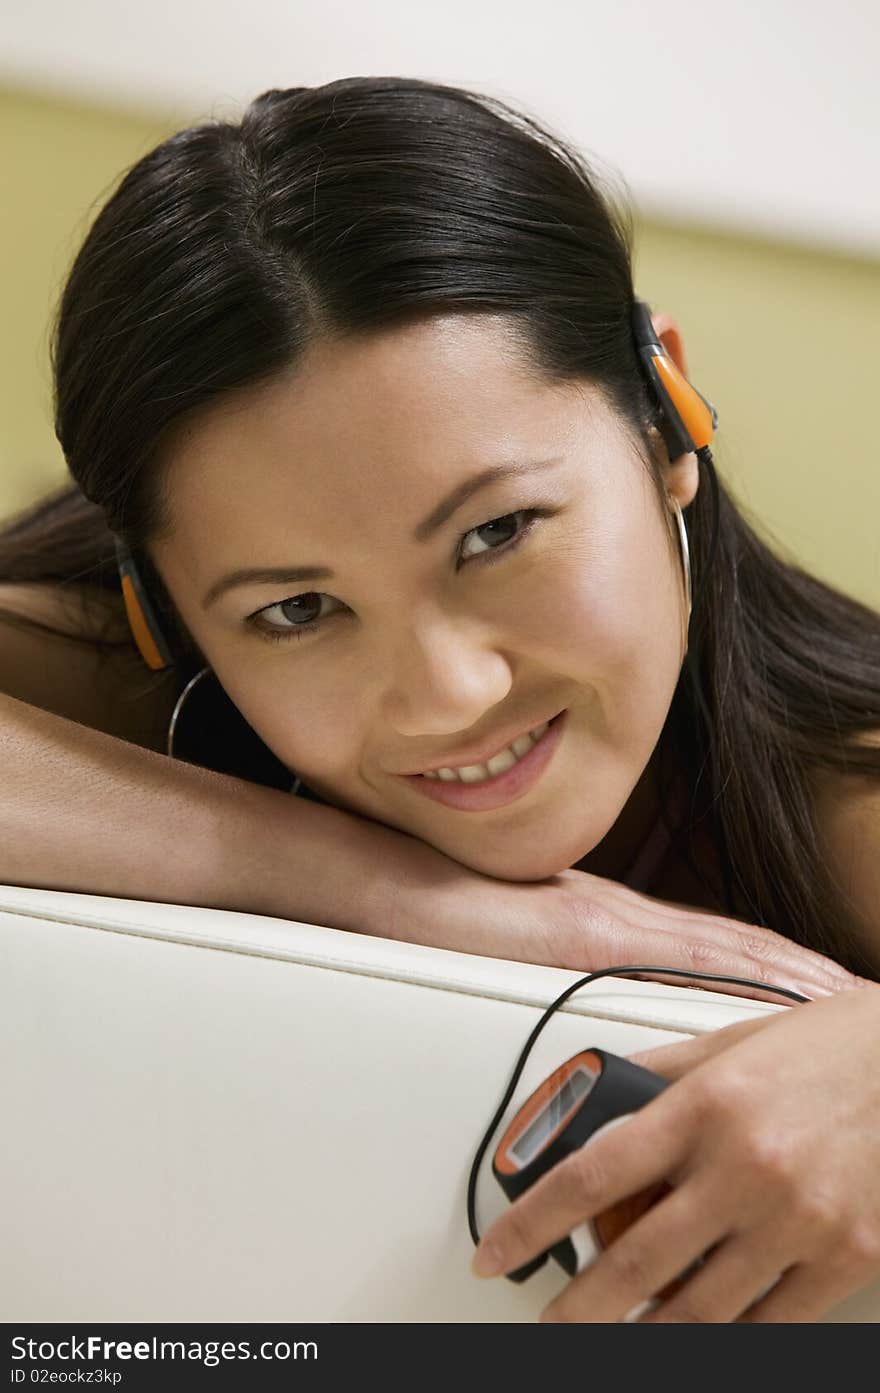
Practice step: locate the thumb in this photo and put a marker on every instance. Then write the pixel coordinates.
(672, 1061)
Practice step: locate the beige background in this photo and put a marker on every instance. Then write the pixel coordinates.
(782, 339)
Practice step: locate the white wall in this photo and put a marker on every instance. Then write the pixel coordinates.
(757, 115)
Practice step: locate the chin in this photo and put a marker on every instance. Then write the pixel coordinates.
(538, 863)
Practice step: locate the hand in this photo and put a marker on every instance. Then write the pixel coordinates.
(584, 922)
(639, 928)
(769, 1135)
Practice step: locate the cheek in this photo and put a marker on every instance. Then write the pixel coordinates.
(612, 619)
(303, 726)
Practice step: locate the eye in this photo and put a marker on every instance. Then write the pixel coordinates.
(297, 606)
(309, 602)
(504, 524)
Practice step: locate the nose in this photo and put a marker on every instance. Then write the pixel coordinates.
(443, 676)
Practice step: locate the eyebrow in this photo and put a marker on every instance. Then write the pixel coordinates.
(271, 575)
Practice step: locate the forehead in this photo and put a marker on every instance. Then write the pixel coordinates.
(389, 419)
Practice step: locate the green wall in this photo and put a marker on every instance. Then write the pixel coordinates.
(783, 340)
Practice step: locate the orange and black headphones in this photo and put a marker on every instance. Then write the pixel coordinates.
(142, 620)
(689, 420)
(687, 424)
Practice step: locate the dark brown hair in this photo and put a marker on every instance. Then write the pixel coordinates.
(355, 206)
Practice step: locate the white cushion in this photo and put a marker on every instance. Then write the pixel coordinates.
(217, 1116)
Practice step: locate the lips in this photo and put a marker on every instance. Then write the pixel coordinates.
(462, 761)
(496, 792)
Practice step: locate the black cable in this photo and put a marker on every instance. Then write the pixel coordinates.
(554, 1006)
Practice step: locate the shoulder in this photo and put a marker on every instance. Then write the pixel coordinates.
(51, 657)
(847, 817)
(83, 611)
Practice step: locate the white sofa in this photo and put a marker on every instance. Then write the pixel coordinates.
(216, 1116)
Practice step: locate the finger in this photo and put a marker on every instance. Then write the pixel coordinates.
(804, 1293)
(673, 1061)
(755, 979)
(749, 982)
(626, 1160)
(712, 943)
(676, 936)
(655, 1251)
(755, 956)
(734, 1276)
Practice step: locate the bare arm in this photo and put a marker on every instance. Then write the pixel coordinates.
(88, 803)
(91, 809)
(84, 811)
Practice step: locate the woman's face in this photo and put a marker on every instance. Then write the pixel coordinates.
(444, 632)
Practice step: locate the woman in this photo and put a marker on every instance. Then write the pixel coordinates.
(381, 338)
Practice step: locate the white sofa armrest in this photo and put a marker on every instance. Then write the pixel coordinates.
(216, 1116)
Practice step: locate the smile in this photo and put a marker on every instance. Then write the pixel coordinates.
(505, 777)
(498, 764)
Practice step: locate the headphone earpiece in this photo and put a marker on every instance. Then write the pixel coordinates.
(144, 625)
(689, 420)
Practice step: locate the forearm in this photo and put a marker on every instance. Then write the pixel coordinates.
(84, 811)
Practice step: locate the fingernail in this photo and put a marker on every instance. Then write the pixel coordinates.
(487, 1261)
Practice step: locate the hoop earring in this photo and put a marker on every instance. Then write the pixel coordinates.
(178, 707)
(685, 550)
(175, 715)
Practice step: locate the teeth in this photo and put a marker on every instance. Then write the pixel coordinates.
(498, 764)
(523, 743)
(506, 759)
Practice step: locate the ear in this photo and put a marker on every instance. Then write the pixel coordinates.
(682, 474)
